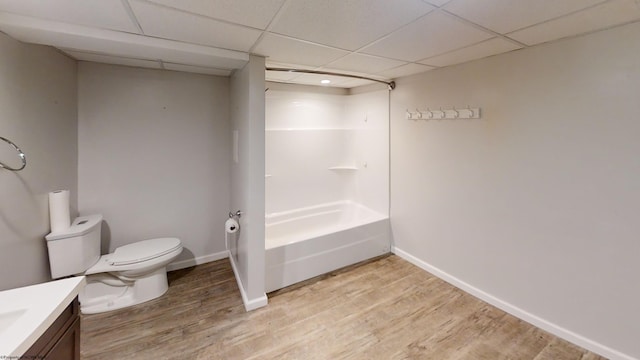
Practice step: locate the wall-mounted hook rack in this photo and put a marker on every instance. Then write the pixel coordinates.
(444, 114)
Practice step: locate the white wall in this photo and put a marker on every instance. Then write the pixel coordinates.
(154, 156)
(310, 131)
(247, 181)
(306, 134)
(536, 204)
(38, 105)
(369, 113)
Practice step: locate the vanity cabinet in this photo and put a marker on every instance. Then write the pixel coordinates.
(61, 341)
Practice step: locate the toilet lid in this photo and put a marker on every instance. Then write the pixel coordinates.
(143, 250)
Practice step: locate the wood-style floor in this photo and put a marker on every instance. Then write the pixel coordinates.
(382, 309)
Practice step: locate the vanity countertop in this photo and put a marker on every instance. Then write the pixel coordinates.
(27, 312)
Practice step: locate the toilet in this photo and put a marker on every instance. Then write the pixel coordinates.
(131, 275)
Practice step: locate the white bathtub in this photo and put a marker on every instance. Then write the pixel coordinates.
(311, 241)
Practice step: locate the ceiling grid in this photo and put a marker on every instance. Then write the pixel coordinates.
(375, 38)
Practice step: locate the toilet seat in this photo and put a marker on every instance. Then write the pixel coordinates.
(137, 257)
(143, 251)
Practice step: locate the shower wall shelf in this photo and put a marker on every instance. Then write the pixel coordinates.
(443, 114)
(347, 168)
(312, 129)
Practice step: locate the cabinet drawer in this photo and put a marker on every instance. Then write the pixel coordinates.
(67, 347)
(45, 343)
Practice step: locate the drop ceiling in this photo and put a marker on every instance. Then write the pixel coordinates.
(383, 39)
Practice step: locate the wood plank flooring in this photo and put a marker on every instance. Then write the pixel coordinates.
(386, 308)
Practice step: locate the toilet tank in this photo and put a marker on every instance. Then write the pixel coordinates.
(75, 249)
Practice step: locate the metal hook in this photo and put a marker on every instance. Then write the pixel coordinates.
(429, 114)
(471, 113)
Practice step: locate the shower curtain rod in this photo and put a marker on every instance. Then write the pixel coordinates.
(390, 84)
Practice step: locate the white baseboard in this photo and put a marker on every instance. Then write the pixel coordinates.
(515, 311)
(249, 304)
(177, 265)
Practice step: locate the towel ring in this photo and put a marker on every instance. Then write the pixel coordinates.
(20, 155)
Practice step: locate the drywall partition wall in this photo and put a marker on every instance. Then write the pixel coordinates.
(247, 180)
(533, 207)
(154, 157)
(38, 107)
(324, 145)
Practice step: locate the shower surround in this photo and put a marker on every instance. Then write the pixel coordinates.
(326, 181)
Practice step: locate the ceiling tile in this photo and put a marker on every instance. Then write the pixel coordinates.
(504, 16)
(346, 24)
(257, 14)
(431, 35)
(115, 43)
(105, 14)
(596, 18)
(276, 64)
(364, 63)
(176, 25)
(314, 79)
(404, 70)
(351, 83)
(477, 51)
(116, 60)
(283, 75)
(196, 69)
(279, 76)
(283, 49)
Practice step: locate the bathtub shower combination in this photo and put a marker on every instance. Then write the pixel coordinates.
(307, 242)
(327, 162)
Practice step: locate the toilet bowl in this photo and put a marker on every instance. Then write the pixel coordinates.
(132, 274)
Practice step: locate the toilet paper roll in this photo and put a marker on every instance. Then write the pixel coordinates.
(231, 226)
(59, 210)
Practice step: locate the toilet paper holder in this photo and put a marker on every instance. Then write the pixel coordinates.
(237, 214)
